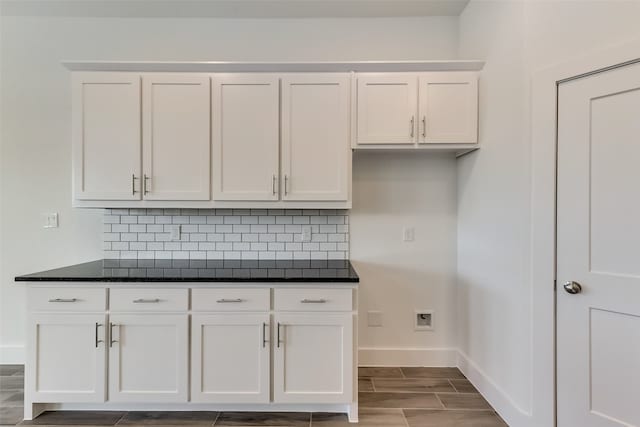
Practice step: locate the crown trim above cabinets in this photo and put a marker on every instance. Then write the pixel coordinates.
(274, 67)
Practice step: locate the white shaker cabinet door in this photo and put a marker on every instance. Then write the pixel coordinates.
(386, 108)
(448, 108)
(245, 137)
(106, 136)
(148, 358)
(316, 152)
(230, 358)
(67, 358)
(313, 358)
(176, 137)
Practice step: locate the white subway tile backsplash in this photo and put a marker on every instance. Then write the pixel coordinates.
(264, 234)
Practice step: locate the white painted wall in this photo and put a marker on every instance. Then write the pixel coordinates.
(35, 167)
(392, 191)
(494, 187)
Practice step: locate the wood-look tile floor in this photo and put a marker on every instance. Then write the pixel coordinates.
(389, 397)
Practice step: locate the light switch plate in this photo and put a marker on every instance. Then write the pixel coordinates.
(50, 220)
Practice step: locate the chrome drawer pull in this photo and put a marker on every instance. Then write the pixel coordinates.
(224, 300)
(313, 301)
(64, 300)
(146, 301)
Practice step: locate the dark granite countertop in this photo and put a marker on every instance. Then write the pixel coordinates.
(139, 270)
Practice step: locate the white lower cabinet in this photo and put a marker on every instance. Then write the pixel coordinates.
(230, 360)
(148, 358)
(313, 355)
(67, 358)
(219, 346)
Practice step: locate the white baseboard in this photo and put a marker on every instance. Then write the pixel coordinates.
(501, 402)
(12, 355)
(384, 356)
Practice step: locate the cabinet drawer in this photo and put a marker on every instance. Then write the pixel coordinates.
(67, 299)
(312, 299)
(231, 299)
(149, 300)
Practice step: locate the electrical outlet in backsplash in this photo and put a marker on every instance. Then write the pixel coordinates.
(265, 234)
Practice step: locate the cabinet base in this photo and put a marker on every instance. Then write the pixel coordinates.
(32, 410)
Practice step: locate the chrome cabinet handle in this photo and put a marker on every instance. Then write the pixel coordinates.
(413, 118)
(273, 185)
(145, 180)
(133, 184)
(224, 300)
(286, 185)
(313, 301)
(264, 335)
(64, 300)
(111, 340)
(278, 337)
(98, 325)
(146, 301)
(424, 126)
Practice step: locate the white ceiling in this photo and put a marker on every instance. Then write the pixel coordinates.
(233, 8)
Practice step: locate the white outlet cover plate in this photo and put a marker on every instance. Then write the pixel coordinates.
(374, 318)
(408, 234)
(306, 233)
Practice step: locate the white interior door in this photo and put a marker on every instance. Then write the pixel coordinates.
(386, 108)
(448, 112)
(230, 358)
(106, 136)
(176, 137)
(245, 136)
(598, 329)
(313, 358)
(316, 152)
(67, 358)
(148, 358)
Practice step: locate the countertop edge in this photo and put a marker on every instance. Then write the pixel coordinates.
(184, 280)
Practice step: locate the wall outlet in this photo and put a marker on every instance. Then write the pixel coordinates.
(306, 233)
(423, 320)
(175, 232)
(374, 318)
(408, 234)
(50, 220)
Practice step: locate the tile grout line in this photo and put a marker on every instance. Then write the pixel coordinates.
(123, 416)
(440, 400)
(215, 420)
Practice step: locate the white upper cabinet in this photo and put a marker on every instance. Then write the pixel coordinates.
(245, 136)
(386, 108)
(316, 154)
(415, 110)
(106, 136)
(176, 137)
(448, 109)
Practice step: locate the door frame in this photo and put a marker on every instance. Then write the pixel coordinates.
(544, 103)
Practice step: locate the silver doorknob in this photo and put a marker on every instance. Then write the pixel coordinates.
(573, 287)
